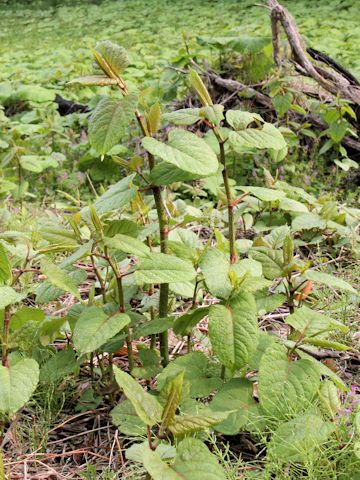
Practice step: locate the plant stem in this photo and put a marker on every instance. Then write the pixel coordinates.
(6, 327)
(230, 206)
(121, 301)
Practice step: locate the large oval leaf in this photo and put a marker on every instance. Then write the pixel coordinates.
(186, 151)
(286, 387)
(162, 268)
(109, 120)
(233, 330)
(17, 384)
(269, 137)
(94, 328)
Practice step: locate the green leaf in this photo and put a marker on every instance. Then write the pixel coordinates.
(193, 462)
(136, 452)
(184, 324)
(124, 416)
(92, 80)
(330, 281)
(5, 267)
(240, 119)
(37, 163)
(25, 315)
(269, 137)
(308, 221)
(127, 244)
(8, 296)
(282, 103)
(264, 194)
(271, 261)
(182, 425)
(286, 386)
(319, 342)
(173, 392)
(184, 116)
(199, 87)
(146, 405)
(216, 267)
(300, 439)
(161, 174)
(116, 197)
(329, 397)
(153, 119)
(62, 364)
(111, 58)
(309, 323)
(46, 292)
(17, 384)
(162, 268)
(268, 303)
(109, 121)
(94, 328)
(153, 327)
(200, 376)
(236, 396)
(233, 330)
(186, 151)
(59, 278)
(290, 205)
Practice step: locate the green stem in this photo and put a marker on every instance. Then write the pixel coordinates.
(6, 327)
(230, 207)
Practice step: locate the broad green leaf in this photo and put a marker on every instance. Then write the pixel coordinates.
(184, 324)
(271, 261)
(193, 462)
(186, 151)
(162, 268)
(213, 113)
(308, 221)
(200, 376)
(310, 323)
(37, 163)
(264, 194)
(162, 174)
(116, 197)
(239, 119)
(127, 244)
(233, 330)
(282, 103)
(153, 327)
(62, 364)
(109, 121)
(173, 392)
(277, 236)
(269, 137)
(25, 315)
(17, 384)
(184, 116)
(198, 85)
(94, 328)
(216, 267)
(5, 267)
(8, 296)
(286, 386)
(329, 281)
(290, 205)
(301, 438)
(236, 396)
(124, 416)
(323, 370)
(146, 405)
(247, 266)
(266, 303)
(111, 58)
(183, 425)
(136, 452)
(59, 278)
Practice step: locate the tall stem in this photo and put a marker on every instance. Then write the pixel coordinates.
(230, 206)
(121, 301)
(6, 327)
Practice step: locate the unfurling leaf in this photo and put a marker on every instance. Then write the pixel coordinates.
(198, 85)
(111, 58)
(172, 391)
